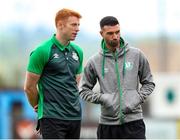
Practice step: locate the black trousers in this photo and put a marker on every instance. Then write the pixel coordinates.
(131, 130)
(60, 129)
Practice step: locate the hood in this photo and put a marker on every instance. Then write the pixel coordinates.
(119, 52)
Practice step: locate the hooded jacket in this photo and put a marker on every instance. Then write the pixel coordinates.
(119, 75)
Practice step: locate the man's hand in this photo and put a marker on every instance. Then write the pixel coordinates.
(107, 99)
(36, 108)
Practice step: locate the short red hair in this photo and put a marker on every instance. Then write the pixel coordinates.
(64, 14)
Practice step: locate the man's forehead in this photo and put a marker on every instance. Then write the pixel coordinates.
(111, 28)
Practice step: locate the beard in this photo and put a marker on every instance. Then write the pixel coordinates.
(113, 43)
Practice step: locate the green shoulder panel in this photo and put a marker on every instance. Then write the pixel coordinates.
(80, 54)
(39, 57)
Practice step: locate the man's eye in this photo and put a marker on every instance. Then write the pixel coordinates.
(117, 32)
(110, 33)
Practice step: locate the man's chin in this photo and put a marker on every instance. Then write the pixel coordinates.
(72, 39)
(114, 45)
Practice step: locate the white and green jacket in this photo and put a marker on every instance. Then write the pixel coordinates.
(119, 75)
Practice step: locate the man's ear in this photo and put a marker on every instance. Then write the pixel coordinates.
(101, 33)
(60, 24)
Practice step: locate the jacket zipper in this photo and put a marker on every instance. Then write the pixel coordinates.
(121, 115)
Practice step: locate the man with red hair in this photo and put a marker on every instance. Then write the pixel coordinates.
(52, 78)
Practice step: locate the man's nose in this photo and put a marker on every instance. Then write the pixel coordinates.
(77, 28)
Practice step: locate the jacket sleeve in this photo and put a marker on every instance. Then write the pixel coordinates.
(145, 77)
(87, 83)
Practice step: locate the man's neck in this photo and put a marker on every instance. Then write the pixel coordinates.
(62, 40)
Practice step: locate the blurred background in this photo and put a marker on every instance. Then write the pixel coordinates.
(151, 25)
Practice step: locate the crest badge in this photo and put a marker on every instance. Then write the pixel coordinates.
(75, 56)
(129, 65)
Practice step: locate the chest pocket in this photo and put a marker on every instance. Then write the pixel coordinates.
(62, 62)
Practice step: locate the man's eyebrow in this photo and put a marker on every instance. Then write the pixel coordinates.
(110, 32)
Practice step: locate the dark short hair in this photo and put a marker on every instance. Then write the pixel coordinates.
(109, 21)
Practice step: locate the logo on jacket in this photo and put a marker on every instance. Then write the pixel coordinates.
(75, 56)
(128, 65)
(55, 55)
